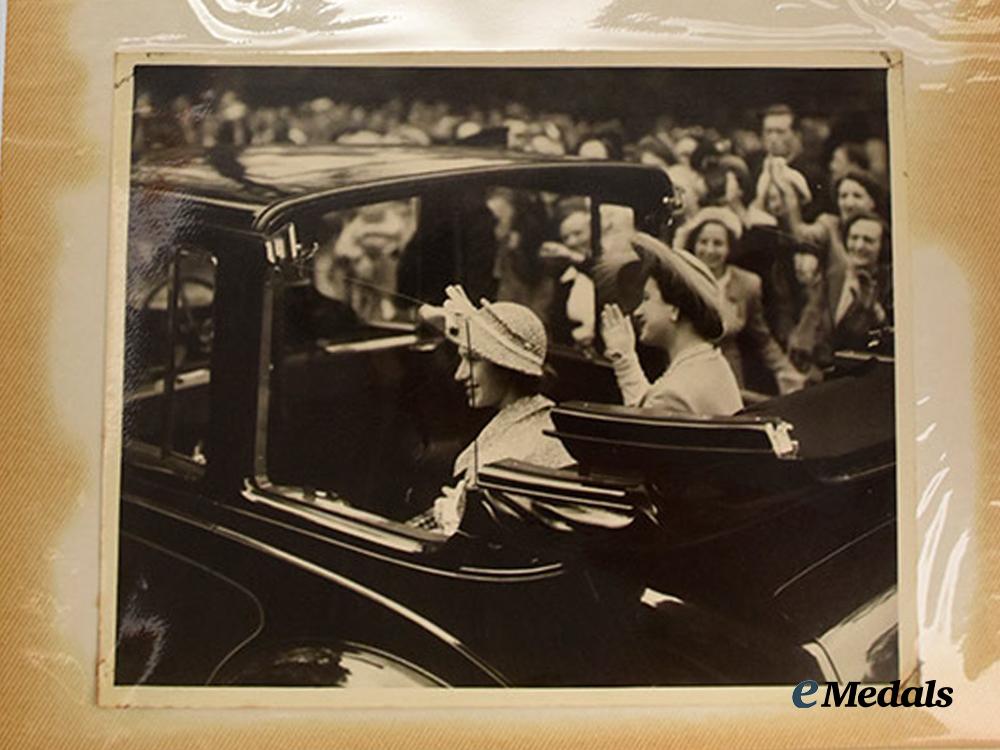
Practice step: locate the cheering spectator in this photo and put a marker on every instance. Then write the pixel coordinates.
(713, 235)
(856, 193)
(789, 268)
(864, 302)
(853, 299)
(783, 140)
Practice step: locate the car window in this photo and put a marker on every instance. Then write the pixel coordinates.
(552, 254)
(359, 255)
(170, 322)
(362, 407)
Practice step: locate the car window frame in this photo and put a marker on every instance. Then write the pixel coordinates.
(277, 220)
(162, 456)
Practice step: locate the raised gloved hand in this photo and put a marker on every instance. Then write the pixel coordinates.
(617, 332)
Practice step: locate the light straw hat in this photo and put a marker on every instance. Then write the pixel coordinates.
(710, 214)
(505, 333)
(680, 264)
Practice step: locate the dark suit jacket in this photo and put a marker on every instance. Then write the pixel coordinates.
(818, 333)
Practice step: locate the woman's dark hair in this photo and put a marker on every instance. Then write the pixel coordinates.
(656, 147)
(716, 171)
(869, 183)
(856, 154)
(522, 383)
(565, 208)
(715, 176)
(530, 221)
(675, 291)
(885, 249)
(732, 239)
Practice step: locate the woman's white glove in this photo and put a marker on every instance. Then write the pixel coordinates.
(450, 507)
(617, 332)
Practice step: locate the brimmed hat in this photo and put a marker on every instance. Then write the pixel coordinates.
(505, 333)
(681, 265)
(718, 214)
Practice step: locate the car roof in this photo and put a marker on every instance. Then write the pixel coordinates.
(262, 180)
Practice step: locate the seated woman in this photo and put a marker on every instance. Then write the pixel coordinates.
(502, 348)
(679, 313)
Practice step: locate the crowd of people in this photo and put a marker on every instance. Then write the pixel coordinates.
(777, 254)
(792, 224)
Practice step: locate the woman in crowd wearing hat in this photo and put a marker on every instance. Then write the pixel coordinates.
(502, 348)
(713, 236)
(678, 313)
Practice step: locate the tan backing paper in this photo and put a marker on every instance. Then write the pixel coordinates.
(57, 164)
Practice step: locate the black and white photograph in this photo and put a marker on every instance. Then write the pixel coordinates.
(494, 376)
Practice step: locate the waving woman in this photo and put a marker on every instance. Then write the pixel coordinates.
(678, 313)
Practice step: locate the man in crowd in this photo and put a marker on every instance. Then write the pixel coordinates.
(782, 139)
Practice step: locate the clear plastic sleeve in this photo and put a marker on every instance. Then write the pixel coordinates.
(57, 161)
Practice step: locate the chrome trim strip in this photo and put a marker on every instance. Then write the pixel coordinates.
(335, 506)
(490, 575)
(658, 446)
(863, 474)
(249, 208)
(183, 518)
(525, 575)
(264, 375)
(856, 356)
(183, 381)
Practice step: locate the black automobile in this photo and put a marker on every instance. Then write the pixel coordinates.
(285, 413)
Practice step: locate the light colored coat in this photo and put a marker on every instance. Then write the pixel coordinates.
(699, 381)
(517, 432)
